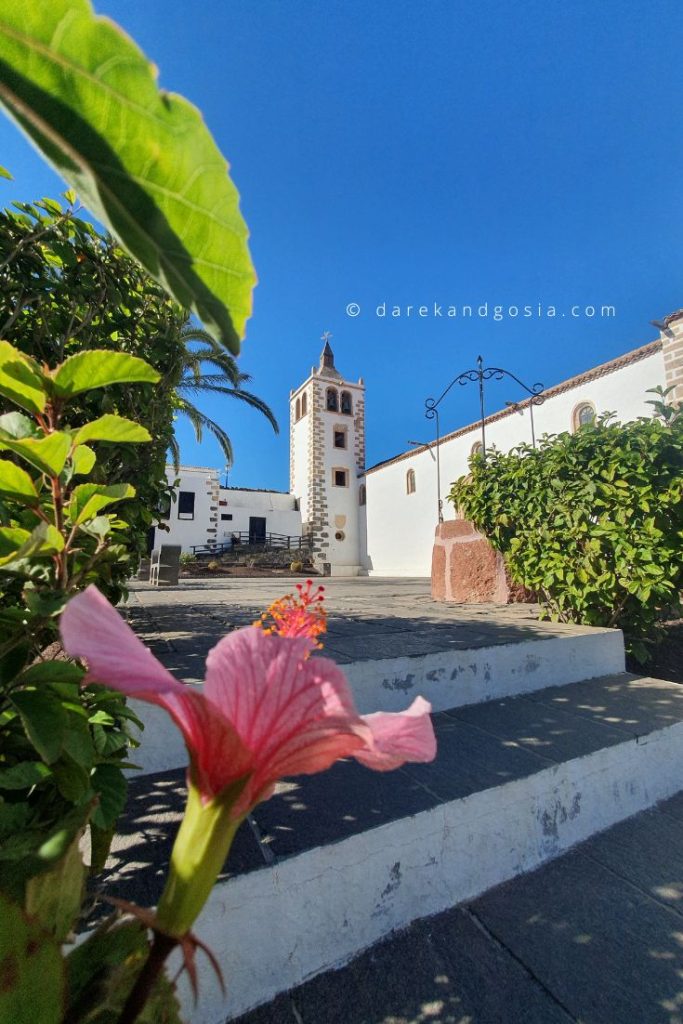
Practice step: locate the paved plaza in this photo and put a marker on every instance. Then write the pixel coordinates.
(368, 618)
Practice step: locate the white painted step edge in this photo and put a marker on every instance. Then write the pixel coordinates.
(448, 679)
(276, 927)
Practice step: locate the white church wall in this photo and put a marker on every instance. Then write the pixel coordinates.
(400, 526)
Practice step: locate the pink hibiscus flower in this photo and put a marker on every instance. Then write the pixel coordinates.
(267, 709)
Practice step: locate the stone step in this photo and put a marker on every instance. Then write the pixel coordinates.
(335, 862)
(450, 665)
(593, 936)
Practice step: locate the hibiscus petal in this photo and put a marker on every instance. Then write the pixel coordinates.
(397, 738)
(295, 713)
(92, 629)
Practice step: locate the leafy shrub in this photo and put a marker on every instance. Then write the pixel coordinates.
(62, 749)
(591, 521)
(213, 565)
(187, 558)
(296, 567)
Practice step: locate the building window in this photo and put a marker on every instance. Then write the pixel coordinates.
(304, 404)
(583, 414)
(226, 516)
(340, 535)
(346, 403)
(186, 505)
(477, 448)
(339, 437)
(297, 410)
(332, 400)
(340, 477)
(362, 495)
(410, 481)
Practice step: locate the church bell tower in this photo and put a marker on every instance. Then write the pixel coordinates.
(326, 462)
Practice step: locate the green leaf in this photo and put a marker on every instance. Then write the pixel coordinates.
(23, 775)
(89, 499)
(11, 540)
(33, 988)
(115, 429)
(54, 897)
(48, 454)
(21, 379)
(72, 781)
(16, 483)
(99, 368)
(110, 784)
(142, 160)
(83, 459)
(44, 540)
(52, 672)
(15, 424)
(4, 173)
(44, 721)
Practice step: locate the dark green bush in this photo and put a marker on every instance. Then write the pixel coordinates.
(592, 521)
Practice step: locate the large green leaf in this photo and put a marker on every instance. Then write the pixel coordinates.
(33, 984)
(44, 721)
(114, 429)
(142, 160)
(48, 454)
(89, 499)
(99, 368)
(21, 379)
(16, 483)
(83, 459)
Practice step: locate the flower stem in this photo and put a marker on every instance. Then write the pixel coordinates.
(162, 945)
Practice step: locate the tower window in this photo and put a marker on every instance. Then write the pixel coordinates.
(297, 410)
(346, 403)
(340, 437)
(583, 414)
(410, 481)
(340, 477)
(186, 505)
(226, 516)
(304, 404)
(362, 495)
(332, 400)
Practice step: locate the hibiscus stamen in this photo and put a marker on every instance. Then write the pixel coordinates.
(297, 615)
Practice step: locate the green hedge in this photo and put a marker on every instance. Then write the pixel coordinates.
(592, 522)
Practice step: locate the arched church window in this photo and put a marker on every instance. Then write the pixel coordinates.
(332, 400)
(477, 448)
(346, 403)
(297, 410)
(362, 496)
(583, 414)
(304, 404)
(410, 481)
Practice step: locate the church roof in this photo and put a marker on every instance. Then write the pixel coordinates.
(327, 367)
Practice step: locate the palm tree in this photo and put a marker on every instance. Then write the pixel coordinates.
(225, 379)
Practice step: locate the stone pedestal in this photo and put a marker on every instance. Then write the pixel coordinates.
(466, 569)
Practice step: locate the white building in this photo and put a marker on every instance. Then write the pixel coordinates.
(205, 514)
(381, 521)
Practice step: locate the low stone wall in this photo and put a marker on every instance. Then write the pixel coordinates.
(467, 570)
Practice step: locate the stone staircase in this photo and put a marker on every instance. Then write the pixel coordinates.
(542, 743)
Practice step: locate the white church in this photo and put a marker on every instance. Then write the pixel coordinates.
(380, 521)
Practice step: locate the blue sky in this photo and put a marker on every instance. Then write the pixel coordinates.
(413, 153)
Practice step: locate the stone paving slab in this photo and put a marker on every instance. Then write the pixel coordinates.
(594, 937)
(369, 618)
